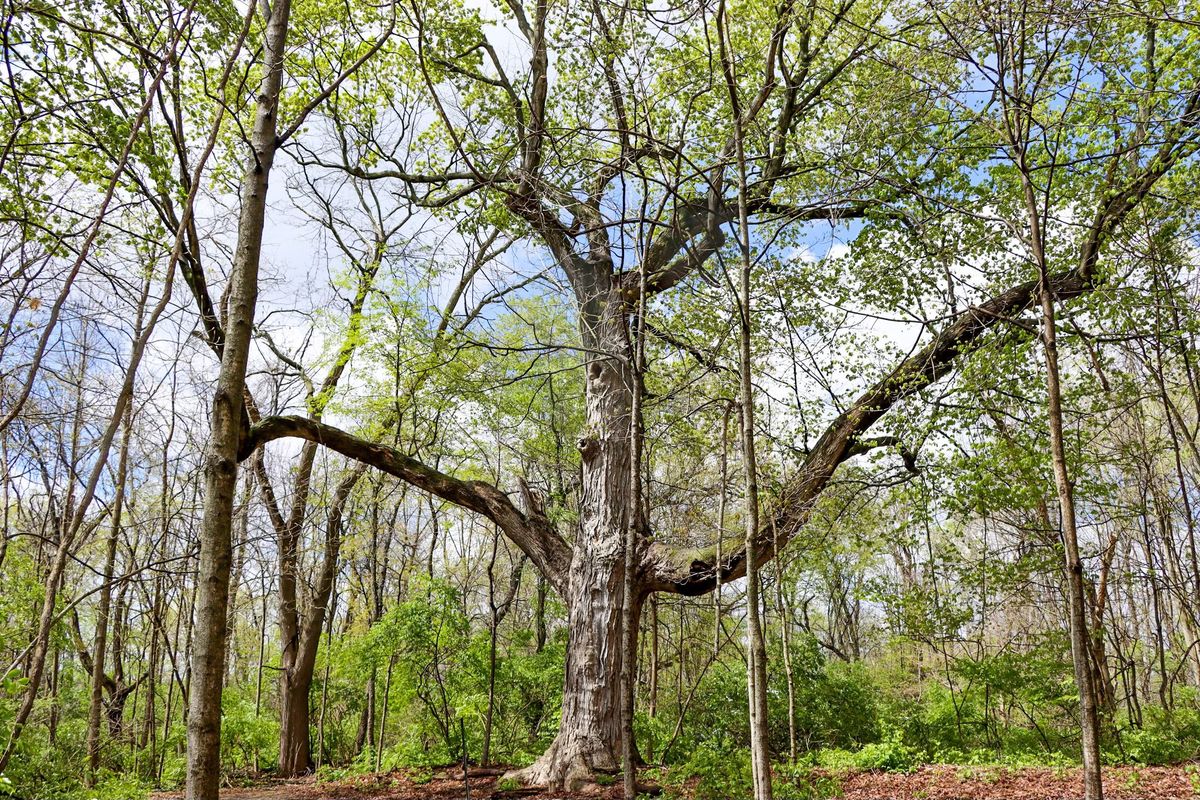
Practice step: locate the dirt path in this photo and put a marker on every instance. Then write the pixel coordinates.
(927, 783)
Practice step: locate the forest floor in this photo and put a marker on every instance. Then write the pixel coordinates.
(926, 783)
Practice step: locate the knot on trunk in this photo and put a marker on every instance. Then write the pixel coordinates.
(589, 446)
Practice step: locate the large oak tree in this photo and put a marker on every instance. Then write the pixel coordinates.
(611, 148)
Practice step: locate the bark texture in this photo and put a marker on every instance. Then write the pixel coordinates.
(590, 734)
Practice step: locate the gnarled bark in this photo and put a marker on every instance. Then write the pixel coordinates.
(589, 735)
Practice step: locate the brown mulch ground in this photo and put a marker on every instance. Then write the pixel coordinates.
(443, 784)
(1024, 783)
(927, 783)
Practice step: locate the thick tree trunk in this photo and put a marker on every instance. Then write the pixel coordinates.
(589, 573)
(295, 756)
(589, 738)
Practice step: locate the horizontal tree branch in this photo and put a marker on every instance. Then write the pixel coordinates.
(531, 531)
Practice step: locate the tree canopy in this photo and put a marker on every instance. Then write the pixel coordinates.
(395, 383)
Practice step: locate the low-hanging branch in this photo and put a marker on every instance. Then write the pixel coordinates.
(962, 336)
(530, 530)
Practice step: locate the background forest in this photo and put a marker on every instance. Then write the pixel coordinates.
(554, 315)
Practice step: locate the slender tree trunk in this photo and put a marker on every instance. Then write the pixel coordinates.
(539, 615)
(366, 721)
(1160, 639)
(756, 652)
(221, 458)
(325, 682)
(5, 495)
(723, 473)
(631, 606)
(150, 723)
(653, 710)
(262, 656)
(99, 649)
(785, 624)
(1080, 643)
(499, 610)
(383, 714)
(493, 626)
(55, 709)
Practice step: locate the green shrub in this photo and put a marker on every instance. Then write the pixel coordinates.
(361, 764)
(721, 771)
(1165, 737)
(835, 759)
(1152, 747)
(113, 787)
(246, 736)
(800, 782)
(507, 785)
(890, 755)
(420, 775)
